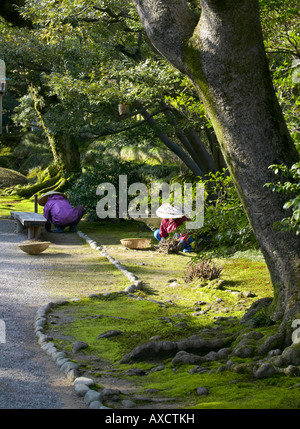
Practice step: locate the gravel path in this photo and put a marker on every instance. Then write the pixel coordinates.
(29, 379)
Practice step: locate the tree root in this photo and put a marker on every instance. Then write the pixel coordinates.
(271, 355)
(155, 350)
(45, 186)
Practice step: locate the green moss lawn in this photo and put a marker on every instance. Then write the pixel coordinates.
(141, 320)
(244, 279)
(9, 203)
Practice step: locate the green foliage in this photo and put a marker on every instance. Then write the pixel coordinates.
(286, 78)
(14, 203)
(262, 319)
(289, 186)
(225, 221)
(280, 23)
(105, 170)
(24, 114)
(32, 152)
(86, 318)
(86, 58)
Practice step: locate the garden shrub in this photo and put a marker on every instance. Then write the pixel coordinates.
(202, 269)
(226, 225)
(33, 151)
(289, 185)
(105, 170)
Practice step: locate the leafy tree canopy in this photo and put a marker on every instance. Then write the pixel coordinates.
(86, 57)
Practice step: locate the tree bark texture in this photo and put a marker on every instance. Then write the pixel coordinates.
(68, 156)
(224, 56)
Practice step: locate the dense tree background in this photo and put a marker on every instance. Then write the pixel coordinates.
(85, 77)
(81, 61)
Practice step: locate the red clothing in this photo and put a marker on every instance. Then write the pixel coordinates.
(169, 225)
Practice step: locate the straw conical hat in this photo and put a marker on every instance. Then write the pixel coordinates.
(167, 211)
(44, 198)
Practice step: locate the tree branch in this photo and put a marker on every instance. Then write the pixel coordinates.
(189, 162)
(169, 24)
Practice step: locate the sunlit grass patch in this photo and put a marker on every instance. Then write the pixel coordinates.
(9, 203)
(138, 320)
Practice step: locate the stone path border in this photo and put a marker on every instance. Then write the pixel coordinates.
(136, 284)
(83, 385)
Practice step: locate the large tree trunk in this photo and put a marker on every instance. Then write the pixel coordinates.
(67, 152)
(224, 56)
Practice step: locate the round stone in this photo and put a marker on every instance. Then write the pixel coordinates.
(202, 391)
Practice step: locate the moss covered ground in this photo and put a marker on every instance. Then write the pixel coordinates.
(77, 271)
(141, 319)
(10, 203)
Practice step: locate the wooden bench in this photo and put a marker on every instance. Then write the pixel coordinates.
(32, 221)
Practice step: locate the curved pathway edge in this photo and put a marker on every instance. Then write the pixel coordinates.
(83, 385)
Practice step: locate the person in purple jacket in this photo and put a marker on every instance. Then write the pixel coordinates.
(59, 211)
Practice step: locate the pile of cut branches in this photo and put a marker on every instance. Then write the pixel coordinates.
(169, 245)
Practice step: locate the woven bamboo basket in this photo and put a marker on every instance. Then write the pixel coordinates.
(34, 247)
(136, 243)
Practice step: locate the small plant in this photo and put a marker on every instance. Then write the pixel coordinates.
(261, 319)
(204, 269)
(289, 185)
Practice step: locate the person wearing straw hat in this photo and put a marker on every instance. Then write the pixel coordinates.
(172, 218)
(59, 211)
